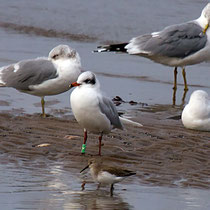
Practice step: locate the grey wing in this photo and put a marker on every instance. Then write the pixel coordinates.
(108, 108)
(28, 72)
(174, 41)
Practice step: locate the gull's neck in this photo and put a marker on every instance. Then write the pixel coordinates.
(202, 21)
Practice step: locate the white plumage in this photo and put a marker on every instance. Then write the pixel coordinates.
(45, 75)
(196, 114)
(92, 110)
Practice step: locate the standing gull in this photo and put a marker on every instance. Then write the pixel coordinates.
(196, 114)
(93, 111)
(176, 45)
(43, 76)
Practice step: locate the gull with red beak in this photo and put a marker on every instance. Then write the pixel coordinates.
(93, 111)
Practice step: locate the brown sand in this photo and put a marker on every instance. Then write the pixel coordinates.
(162, 152)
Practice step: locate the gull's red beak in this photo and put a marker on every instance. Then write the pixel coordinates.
(74, 84)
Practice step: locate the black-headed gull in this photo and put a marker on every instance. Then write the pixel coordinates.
(196, 114)
(176, 45)
(104, 174)
(43, 76)
(93, 111)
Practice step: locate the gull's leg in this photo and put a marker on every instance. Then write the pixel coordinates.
(175, 78)
(84, 142)
(175, 86)
(111, 190)
(99, 146)
(185, 80)
(43, 103)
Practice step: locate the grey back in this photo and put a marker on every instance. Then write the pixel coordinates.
(174, 41)
(30, 72)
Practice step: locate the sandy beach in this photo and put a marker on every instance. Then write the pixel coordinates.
(40, 158)
(162, 152)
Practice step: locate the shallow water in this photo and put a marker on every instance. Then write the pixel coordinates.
(30, 29)
(130, 77)
(42, 184)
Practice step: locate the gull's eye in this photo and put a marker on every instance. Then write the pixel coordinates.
(55, 56)
(89, 81)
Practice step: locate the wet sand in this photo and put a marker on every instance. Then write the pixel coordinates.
(162, 152)
(172, 163)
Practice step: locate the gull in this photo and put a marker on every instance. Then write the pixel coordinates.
(196, 114)
(176, 45)
(93, 111)
(104, 174)
(43, 76)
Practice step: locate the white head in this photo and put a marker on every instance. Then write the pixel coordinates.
(63, 52)
(87, 78)
(199, 96)
(206, 12)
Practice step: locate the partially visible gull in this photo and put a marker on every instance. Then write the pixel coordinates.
(43, 76)
(196, 114)
(176, 45)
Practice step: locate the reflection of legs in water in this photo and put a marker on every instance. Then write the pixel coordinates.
(83, 185)
(111, 189)
(175, 86)
(183, 97)
(185, 80)
(99, 185)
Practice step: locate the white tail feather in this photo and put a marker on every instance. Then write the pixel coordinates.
(127, 121)
(100, 50)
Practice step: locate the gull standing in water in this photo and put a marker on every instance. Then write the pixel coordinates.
(43, 76)
(196, 114)
(176, 45)
(93, 111)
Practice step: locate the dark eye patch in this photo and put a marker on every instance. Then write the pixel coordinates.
(90, 81)
(55, 56)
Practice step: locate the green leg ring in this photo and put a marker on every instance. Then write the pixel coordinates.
(83, 149)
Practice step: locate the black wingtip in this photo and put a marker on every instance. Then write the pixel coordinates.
(112, 48)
